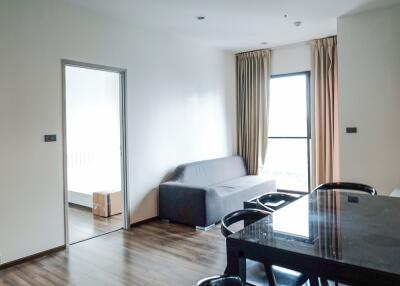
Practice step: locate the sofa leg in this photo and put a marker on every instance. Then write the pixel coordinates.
(164, 220)
(205, 228)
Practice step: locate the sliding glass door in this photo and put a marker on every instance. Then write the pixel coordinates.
(288, 154)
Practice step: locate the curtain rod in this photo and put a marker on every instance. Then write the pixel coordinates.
(277, 47)
(252, 51)
(292, 45)
(285, 46)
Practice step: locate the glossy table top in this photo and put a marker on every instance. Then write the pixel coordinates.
(349, 228)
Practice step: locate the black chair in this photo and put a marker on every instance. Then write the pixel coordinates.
(221, 281)
(345, 186)
(348, 186)
(257, 273)
(248, 216)
(269, 201)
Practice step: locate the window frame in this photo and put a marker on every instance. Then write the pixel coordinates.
(307, 74)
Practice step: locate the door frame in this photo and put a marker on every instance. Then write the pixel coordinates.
(309, 137)
(123, 133)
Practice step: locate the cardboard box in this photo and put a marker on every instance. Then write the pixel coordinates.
(107, 203)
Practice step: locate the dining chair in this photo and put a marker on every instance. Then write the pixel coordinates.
(257, 273)
(348, 186)
(266, 202)
(345, 186)
(221, 281)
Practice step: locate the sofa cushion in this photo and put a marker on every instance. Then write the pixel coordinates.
(229, 196)
(210, 172)
(233, 186)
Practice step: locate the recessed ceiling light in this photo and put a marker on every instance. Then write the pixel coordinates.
(297, 23)
(201, 18)
(285, 15)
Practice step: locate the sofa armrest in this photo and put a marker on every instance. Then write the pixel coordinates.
(182, 203)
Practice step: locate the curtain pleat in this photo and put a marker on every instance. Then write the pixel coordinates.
(253, 73)
(325, 71)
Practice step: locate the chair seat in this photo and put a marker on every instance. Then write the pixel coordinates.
(221, 281)
(255, 275)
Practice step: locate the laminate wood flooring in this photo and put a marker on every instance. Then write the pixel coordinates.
(155, 253)
(83, 224)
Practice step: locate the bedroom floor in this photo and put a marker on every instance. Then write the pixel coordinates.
(83, 224)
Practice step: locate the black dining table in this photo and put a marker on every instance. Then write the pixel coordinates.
(335, 235)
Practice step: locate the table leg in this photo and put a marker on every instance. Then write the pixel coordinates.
(314, 281)
(324, 282)
(236, 263)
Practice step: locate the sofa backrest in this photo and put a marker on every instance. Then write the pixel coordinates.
(209, 172)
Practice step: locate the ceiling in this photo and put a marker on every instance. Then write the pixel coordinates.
(235, 25)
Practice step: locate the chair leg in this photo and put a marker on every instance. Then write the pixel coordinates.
(301, 280)
(270, 275)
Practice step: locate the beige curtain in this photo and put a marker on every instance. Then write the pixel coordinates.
(325, 71)
(253, 73)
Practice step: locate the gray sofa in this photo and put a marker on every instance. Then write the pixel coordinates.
(201, 193)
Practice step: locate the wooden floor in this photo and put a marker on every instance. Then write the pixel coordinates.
(83, 224)
(156, 254)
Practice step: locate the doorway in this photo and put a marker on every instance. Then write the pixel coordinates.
(95, 181)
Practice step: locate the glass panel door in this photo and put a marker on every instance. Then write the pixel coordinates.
(288, 153)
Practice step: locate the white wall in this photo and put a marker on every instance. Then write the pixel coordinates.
(290, 59)
(180, 108)
(369, 68)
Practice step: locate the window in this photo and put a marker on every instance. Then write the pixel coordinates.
(288, 153)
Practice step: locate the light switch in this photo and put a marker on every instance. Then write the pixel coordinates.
(50, 138)
(351, 129)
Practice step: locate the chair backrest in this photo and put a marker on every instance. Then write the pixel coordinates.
(221, 281)
(348, 186)
(241, 215)
(274, 196)
(207, 173)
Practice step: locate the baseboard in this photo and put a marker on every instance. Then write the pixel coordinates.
(31, 257)
(144, 221)
(80, 207)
